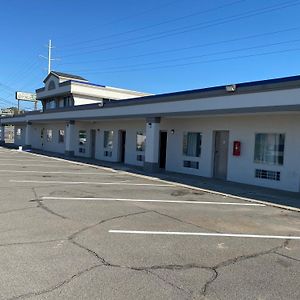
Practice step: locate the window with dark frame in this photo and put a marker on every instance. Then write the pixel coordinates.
(49, 135)
(269, 148)
(61, 136)
(82, 137)
(108, 139)
(140, 141)
(192, 144)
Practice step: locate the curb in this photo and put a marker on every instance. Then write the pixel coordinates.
(167, 181)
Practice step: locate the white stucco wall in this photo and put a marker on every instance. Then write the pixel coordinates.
(53, 146)
(241, 128)
(19, 139)
(130, 126)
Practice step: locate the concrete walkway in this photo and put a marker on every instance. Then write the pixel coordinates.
(272, 196)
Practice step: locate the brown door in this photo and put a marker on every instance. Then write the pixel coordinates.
(221, 154)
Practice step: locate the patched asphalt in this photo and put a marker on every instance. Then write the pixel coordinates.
(55, 239)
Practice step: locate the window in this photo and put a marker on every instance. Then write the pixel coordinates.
(68, 101)
(108, 139)
(49, 135)
(61, 135)
(269, 148)
(51, 104)
(140, 141)
(82, 137)
(192, 144)
(51, 85)
(61, 103)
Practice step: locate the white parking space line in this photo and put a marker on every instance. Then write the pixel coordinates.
(152, 200)
(24, 159)
(235, 235)
(52, 172)
(34, 165)
(74, 162)
(89, 183)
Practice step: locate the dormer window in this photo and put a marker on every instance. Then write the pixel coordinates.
(51, 85)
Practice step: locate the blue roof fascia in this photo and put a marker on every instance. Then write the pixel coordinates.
(87, 83)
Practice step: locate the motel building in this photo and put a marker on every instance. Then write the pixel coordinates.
(247, 133)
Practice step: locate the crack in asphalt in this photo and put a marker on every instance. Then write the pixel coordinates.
(73, 235)
(58, 285)
(173, 285)
(31, 242)
(146, 269)
(185, 222)
(105, 263)
(71, 238)
(16, 209)
(213, 269)
(150, 269)
(287, 256)
(237, 260)
(41, 205)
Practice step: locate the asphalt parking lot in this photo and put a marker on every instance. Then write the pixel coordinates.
(72, 231)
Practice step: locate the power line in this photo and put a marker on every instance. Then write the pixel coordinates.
(24, 72)
(7, 102)
(119, 20)
(198, 62)
(186, 48)
(193, 27)
(202, 55)
(14, 74)
(157, 24)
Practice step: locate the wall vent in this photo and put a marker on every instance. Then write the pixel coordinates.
(140, 157)
(191, 164)
(107, 153)
(267, 174)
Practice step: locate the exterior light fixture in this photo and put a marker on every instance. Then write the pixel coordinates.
(231, 88)
(172, 131)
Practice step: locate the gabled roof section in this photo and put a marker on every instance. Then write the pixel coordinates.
(64, 75)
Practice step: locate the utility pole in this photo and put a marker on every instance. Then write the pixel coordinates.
(49, 58)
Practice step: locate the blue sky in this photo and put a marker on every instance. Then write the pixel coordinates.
(153, 46)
